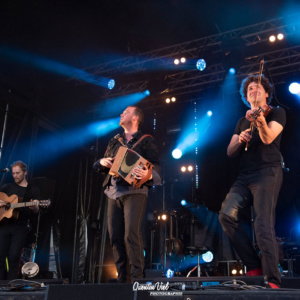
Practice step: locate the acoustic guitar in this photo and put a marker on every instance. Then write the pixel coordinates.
(10, 209)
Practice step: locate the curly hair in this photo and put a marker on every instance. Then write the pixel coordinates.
(254, 78)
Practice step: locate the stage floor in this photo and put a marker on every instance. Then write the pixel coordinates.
(217, 288)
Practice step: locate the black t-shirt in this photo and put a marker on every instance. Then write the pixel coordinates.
(26, 193)
(258, 154)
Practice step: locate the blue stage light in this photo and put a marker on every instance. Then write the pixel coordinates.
(209, 113)
(111, 84)
(232, 71)
(147, 93)
(294, 88)
(176, 153)
(201, 64)
(183, 202)
(208, 257)
(169, 273)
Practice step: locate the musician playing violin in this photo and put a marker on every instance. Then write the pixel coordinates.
(126, 203)
(256, 140)
(13, 232)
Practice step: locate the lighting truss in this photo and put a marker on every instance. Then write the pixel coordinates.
(246, 36)
(278, 62)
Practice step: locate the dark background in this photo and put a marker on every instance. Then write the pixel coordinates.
(48, 111)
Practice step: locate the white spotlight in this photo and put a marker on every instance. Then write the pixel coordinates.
(294, 88)
(272, 38)
(209, 113)
(280, 36)
(183, 60)
(176, 61)
(190, 168)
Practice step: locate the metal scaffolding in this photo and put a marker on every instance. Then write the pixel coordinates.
(245, 47)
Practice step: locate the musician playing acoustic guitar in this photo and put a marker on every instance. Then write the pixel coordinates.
(13, 232)
(126, 203)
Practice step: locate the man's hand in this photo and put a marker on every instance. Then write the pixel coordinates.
(140, 173)
(252, 114)
(244, 136)
(107, 162)
(35, 208)
(256, 117)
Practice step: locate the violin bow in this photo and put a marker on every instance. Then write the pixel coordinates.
(261, 67)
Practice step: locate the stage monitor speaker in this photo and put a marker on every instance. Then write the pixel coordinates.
(105, 291)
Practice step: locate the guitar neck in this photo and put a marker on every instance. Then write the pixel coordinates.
(24, 204)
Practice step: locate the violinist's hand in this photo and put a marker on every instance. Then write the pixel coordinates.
(252, 114)
(2, 203)
(245, 136)
(107, 162)
(140, 173)
(260, 121)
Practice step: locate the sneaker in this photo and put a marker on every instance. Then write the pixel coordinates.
(255, 272)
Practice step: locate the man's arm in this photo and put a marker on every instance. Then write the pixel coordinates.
(237, 142)
(268, 132)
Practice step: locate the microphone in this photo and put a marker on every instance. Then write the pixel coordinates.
(117, 136)
(4, 170)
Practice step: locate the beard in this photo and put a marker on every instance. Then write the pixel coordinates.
(125, 123)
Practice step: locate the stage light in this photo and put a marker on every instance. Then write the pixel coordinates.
(237, 269)
(173, 99)
(208, 257)
(176, 61)
(209, 113)
(164, 217)
(169, 273)
(176, 153)
(147, 93)
(168, 100)
(272, 38)
(111, 84)
(232, 71)
(183, 169)
(183, 60)
(183, 202)
(190, 168)
(280, 36)
(294, 88)
(201, 64)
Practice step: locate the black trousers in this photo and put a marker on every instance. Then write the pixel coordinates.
(12, 240)
(260, 189)
(125, 216)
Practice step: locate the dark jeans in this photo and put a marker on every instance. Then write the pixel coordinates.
(125, 216)
(12, 240)
(260, 189)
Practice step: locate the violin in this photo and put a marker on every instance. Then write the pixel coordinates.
(265, 110)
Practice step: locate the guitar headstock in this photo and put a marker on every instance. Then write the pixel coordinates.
(45, 203)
